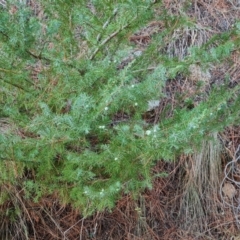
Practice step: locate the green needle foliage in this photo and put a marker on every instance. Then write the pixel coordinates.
(62, 88)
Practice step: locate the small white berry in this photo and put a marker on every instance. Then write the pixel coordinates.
(136, 104)
(106, 108)
(148, 132)
(102, 192)
(115, 158)
(133, 86)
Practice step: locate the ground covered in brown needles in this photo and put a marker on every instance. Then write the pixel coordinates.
(170, 210)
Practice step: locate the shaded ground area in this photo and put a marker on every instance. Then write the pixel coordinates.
(196, 199)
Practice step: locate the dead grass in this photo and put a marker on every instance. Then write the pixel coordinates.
(200, 187)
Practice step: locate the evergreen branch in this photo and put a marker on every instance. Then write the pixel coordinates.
(107, 23)
(40, 57)
(4, 34)
(8, 71)
(108, 39)
(16, 85)
(145, 69)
